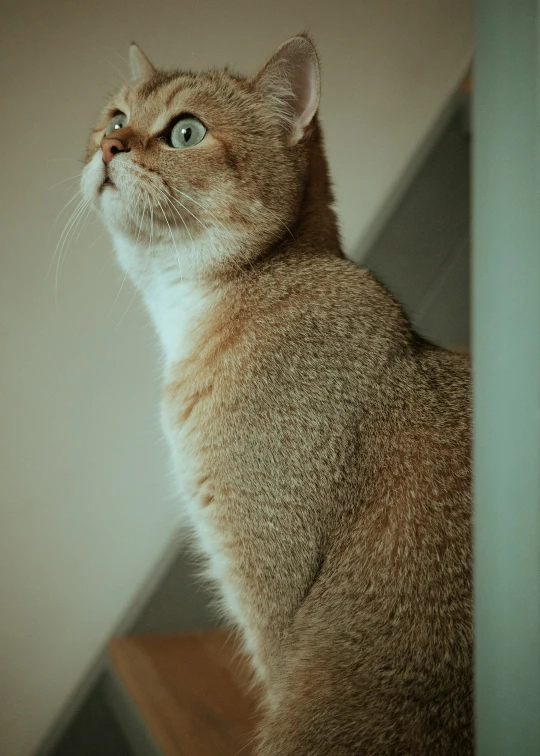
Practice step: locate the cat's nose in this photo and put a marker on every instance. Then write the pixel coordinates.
(110, 147)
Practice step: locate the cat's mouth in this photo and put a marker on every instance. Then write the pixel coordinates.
(106, 182)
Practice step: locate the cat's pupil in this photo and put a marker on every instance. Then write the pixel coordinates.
(186, 132)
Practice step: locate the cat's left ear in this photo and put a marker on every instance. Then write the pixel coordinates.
(291, 81)
(140, 66)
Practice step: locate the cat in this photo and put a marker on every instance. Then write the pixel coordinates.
(321, 447)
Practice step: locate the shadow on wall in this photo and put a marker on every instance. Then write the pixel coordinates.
(180, 603)
(423, 252)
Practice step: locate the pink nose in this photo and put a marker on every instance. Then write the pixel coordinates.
(110, 147)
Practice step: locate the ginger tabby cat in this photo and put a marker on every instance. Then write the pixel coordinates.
(322, 448)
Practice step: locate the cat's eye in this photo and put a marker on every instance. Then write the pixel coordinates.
(187, 132)
(118, 121)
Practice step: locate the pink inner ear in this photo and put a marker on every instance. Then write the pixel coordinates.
(306, 90)
(292, 76)
(303, 73)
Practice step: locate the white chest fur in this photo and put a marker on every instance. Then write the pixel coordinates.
(179, 305)
(177, 308)
(174, 295)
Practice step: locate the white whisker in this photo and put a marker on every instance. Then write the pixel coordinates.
(193, 251)
(189, 211)
(66, 238)
(64, 230)
(177, 213)
(171, 233)
(68, 203)
(85, 220)
(118, 71)
(228, 233)
(206, 210)
(98, 237)
(62, 159)
(63, 181)
(150, 242)
(274, 215)
(126, 273)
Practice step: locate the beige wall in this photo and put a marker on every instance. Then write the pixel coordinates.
(85, 502)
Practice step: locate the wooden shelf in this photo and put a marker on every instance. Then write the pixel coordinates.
(190, 690)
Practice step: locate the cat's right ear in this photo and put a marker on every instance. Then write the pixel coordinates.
(291, 82)
(140, 66)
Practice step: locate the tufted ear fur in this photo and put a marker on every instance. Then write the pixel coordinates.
(140, 66)
(291, 81)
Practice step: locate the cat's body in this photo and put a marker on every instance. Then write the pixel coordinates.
(322, 448)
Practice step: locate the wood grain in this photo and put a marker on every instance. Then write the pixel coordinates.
(191, 690)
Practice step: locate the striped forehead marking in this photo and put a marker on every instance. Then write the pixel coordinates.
(157, 101)
(160, 122)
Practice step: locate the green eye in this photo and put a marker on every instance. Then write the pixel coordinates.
(117, 122)
(187, 132)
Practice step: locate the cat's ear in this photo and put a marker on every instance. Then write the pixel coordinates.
(291, 81)
(140, 66)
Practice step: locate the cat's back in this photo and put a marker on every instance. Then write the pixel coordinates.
(385, 634)
(316, 344)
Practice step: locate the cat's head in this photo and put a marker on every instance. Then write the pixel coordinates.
(209, 168)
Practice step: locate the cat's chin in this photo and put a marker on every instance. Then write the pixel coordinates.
(115, 217)
(108, 183)
(115, 198)
(99, 183)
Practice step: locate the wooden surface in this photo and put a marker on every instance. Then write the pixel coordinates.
(190, 690)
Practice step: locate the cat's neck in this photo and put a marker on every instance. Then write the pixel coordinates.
(315, 227)
(175, 306)
(317, 224)
(174, 294)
